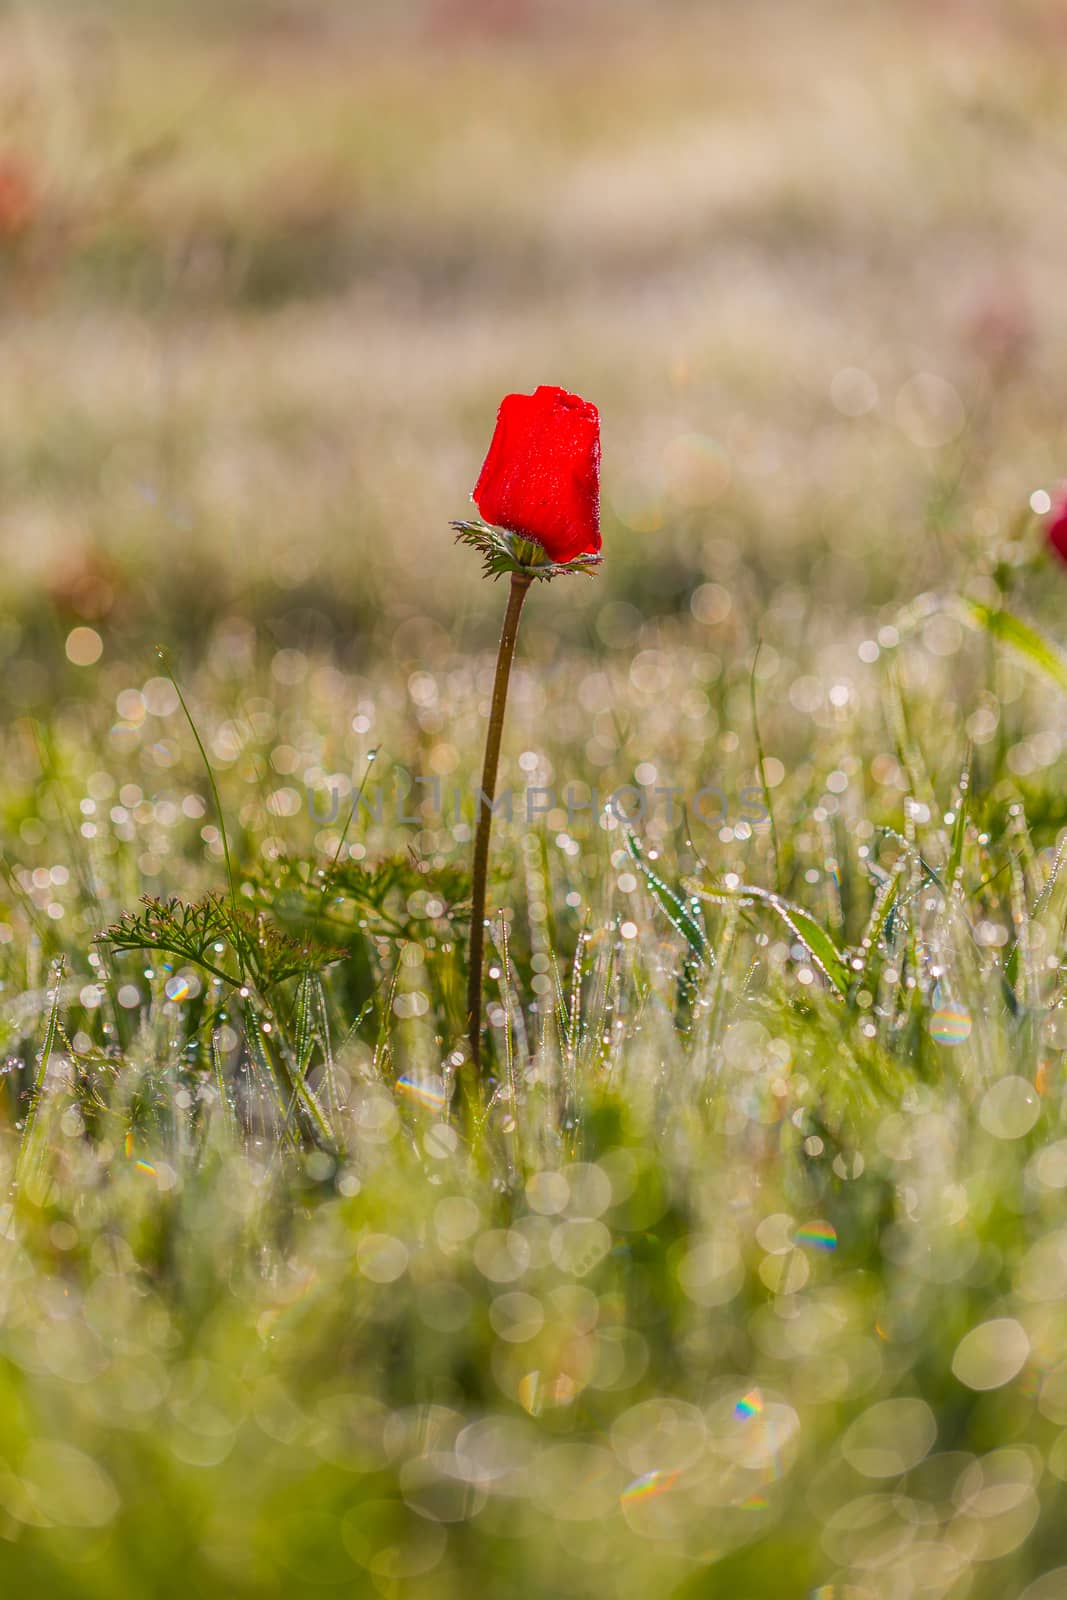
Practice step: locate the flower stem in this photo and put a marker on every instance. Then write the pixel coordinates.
(519, 585)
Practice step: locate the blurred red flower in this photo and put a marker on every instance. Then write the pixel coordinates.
(1056, 527)
(541, 478)
(17, 199)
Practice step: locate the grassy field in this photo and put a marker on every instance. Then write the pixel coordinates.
(744, 1274)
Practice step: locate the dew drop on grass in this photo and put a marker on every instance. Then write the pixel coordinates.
(950, 1025)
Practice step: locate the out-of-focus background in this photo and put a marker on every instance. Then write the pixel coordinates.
(266, 270)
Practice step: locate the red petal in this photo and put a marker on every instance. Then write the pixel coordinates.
(541, 477)
(1056, 528)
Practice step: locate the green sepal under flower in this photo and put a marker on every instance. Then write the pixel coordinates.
(503, 552)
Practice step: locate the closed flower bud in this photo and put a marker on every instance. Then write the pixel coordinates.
(541, 478)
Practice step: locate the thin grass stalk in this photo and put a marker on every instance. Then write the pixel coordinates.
(27, 1162)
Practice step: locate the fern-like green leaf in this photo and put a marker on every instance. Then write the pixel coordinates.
(202, 932)
(503, 552)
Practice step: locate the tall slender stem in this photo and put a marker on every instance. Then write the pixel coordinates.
(519, 585)
(762, 768)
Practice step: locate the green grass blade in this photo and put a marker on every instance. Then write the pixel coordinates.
(959, 826)
(671, 904)
(1022, 638)
(811, 934)
(30, 1156)
(817, 942)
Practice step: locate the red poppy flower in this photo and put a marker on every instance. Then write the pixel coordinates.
(1056, 527)
(541, 478)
